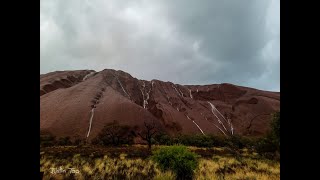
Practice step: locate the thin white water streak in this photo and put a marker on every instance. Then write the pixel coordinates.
(220, 114)
(226, 120)
(231, 129)
(215, 125)
(144, 101)
(176, 90)
(190, 94)
(92, 114)
(148, 93)
(198, 127)
(87, 76)
(122, 87)
(212, 108)
(231, 126)
(142, 94)
(195, 124)
(150, 90)
(181, 92)
(219, 129)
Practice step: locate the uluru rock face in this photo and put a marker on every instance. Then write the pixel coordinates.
(80, 103)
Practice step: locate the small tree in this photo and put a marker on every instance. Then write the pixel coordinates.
(163, 139)
(178, 159)
(114, 134)
(79, 141)
(275, 129)
(271, 142)
(47, 140)
(148, 133)
(64, 141)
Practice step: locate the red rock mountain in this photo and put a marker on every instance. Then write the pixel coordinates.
(80, 103)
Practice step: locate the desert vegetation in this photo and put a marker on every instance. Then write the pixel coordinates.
(165, 162)
(113, 156)
(114, 134)
(150, 130)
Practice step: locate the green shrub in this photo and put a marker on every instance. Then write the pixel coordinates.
(47, 144)
(79, 141)
(163, 139)
(114, 134)
(238, 142)
(265, 145)
(47, 140)
(64, 141)
(218, 141)
(196, 140)
(275, 129)
(270, 144)
(177, 159)
(199, 140)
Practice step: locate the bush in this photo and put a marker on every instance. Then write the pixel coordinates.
(218, 141)
(275, 130)
(114, 134)
(233, 142)
(64, 141)
(270, 144)
(47, 140)
(196, 140)
(177, 159)
(265, 145)
(163, 139)
(79, 141)
(239, 142)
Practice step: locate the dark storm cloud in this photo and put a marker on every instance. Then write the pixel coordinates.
(187, 42)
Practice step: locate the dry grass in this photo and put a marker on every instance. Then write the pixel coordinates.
(100, 168)
(231, 168)
(246, 167)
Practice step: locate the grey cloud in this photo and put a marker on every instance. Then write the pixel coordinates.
(187, 42)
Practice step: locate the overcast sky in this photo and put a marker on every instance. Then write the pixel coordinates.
(182, 41)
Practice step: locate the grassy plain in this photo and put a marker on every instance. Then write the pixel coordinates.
(133, 162)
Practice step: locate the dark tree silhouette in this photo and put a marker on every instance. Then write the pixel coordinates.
(114, 134)
(150, 129)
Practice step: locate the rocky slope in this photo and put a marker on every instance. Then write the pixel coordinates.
(80, 103)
